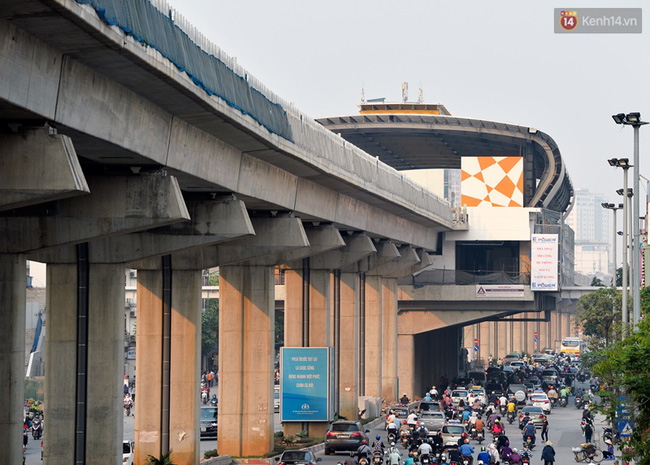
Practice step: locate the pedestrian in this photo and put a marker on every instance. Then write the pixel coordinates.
(589, 431)
(545, 429)
(25, 438)
(548, 453)
(209, 378)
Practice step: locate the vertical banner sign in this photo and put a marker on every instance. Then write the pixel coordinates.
(544, 262)
(475, 345)
(536, 341)
(305, 384)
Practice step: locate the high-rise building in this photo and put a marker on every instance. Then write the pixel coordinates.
(593, 232)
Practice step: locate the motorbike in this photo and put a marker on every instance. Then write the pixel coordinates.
(424, 459)
(587, 453)
(511, 417)
(553, 401)
(610, 435)
(528, 443)
(406, 441)
(562, 402)
(579, 402)
(392, 437)
(377, 458)
(37, 429)
(503, 410)
(204, 397)
(525, 458)
(127, 407)
(479, 436)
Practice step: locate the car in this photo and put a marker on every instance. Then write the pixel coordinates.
(511, 357)
(550, 376)
(297, 457)
(536, 415)
(429, 405)
(479, 393)
(208, 421)
(540, 399)
(127, 452)
(344, 436)
(514, 388)
(433, 420)
(477, 377)
(517, 365)
(401, 412)
(458, 394)
(452, 433)
(276, 398)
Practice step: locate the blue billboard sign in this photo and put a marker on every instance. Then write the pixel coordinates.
(305, 384)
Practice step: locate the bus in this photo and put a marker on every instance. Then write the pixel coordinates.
(572, 345)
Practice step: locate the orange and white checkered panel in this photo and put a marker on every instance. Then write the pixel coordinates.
(492, 181)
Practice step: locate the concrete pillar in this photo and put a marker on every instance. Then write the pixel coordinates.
(374, 334)
(105, 423)
(349, 346)
(105, 354)
(184, 370)
(406, 367)
(246, 336)
(389, 339)
(12, 356)
(319, 325)
(148, 360)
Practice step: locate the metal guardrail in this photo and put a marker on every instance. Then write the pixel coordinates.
(460, 277)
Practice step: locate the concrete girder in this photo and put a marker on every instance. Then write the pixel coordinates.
(36, 167)
(409, 261)
(116, 205)
(273, 237)
(211, 222)
(417, 322)
(321, 239)
(357, 247)
(387, 252)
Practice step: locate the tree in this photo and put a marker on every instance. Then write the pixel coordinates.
(645, 301)
(624, 369)
(599, 314)
(165, 459)
(596, 282)
(210, 330)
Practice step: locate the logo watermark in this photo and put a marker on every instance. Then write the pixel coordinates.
(598, 20)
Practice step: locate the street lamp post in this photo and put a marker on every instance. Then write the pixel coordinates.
(625, 164)
(613, 207)
(634, 120)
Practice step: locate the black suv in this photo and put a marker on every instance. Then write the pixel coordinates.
(344, 436)
(208, 421)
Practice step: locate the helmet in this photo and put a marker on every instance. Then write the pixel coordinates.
(417, 423)
(514, 450)
(464, 435)
(392, 444)
(404, 393)
(496, 421)
(364, 442)
(482, 448)
(404, 422)
(378, 437)
(492, 392)
(466, 441)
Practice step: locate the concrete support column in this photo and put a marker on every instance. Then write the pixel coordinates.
(406, 350)
(185, 368)
(389, 339)
(349, 346)
(100, 432)
(12, 356)
(319, 324)
(246, 336)
(374, 334)
(148, 360)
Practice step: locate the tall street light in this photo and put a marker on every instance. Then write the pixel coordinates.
(634, 120)
(625, 164)
(613, 207)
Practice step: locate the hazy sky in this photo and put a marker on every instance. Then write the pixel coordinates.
(494, 60)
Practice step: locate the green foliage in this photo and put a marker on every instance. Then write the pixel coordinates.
(165, 459)
(599, 315)
(35, 389)
(597, 282)
(645, 301)
(624, 369)
(210, 453)
(279, 328)
(210, 329)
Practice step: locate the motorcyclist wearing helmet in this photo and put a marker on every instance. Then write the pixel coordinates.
(421, 431)
(404, 428)
(437, 442)
(467, 451)
(529, 430)
(425, 449)
(363, 451)
(497, 428)
(378, 445)
(483, 456)
(462, 439)
(515, 458)
(405, 400)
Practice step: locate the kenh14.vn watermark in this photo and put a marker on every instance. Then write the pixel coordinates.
(597, 20)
